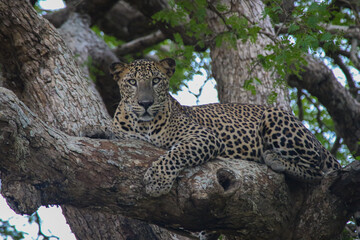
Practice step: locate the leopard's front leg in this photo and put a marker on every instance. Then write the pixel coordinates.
(190, 151)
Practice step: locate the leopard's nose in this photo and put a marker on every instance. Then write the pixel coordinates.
(146, 103)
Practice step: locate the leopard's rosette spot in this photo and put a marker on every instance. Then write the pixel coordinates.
(194, 135)
(157, 183)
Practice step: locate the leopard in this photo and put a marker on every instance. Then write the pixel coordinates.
(194, 135)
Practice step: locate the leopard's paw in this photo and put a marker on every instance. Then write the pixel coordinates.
(158, 183)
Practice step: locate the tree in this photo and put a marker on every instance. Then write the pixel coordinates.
(46, 101)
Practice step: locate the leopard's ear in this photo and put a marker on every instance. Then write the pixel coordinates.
(117, 68)
(169, 65)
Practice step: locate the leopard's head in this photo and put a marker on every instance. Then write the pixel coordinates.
(144, 85)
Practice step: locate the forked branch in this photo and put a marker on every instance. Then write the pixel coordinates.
(41, 166)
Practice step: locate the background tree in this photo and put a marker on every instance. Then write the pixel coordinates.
(254, 48)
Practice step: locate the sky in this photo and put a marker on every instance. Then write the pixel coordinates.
(53, 222)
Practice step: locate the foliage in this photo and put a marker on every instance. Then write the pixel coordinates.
(94, 70)
(111, 41)
(189, 13)
(318, 121)
(188, 63)
(8, 231)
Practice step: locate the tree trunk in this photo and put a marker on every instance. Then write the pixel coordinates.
(43, 163)
(245, 199)
(233, 67)
(39, 67)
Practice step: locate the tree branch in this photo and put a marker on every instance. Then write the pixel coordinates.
(37, 64)
(352, 87)
(348, 185)
(299, 104)
(348, 31)
(102, 174)
(139, 44)
(95, 9)
(320, 82)
(93, 56)
(149, 8)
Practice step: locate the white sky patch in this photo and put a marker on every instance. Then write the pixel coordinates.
(51, 4)
(53, 222)
(209, 94)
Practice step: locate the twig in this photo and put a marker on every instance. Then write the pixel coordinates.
(213, 9)
(140, 44)
(318, 114)
(201, 88)
(335, 147)
(349, 78)
(40, 232)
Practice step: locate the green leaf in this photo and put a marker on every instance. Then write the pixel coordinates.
(293, 28)
(221, 7)
(249, 86)
(326, 37)
(272, 97)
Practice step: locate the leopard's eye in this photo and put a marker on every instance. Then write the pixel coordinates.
(132, 82)
(156, 80)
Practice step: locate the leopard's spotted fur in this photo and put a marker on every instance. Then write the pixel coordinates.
(194, 135)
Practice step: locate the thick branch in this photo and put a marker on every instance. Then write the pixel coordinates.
(149, 8)
(94, 8)
(352, 86)
(348, 31)
(39, 67)
(348, 186)
(93, 55)
(119, 20)
(37, 64)
(234, 68)
(320, 81)
(354, 52)
(126, 23)
(103, 174)
(139, 44)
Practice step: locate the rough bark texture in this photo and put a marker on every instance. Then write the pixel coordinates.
(232, 67)
(42, 71)
(45, 166)
(42, 163)
(93, 56)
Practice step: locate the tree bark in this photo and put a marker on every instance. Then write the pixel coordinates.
(42, 71)
(232, 67)
(42, 163)
(93, 56)
(45, 166)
